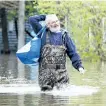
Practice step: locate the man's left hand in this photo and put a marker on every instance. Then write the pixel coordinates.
(81, 70)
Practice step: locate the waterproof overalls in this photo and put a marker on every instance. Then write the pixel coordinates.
(52, 67)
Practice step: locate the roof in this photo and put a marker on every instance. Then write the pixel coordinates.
(9, 4)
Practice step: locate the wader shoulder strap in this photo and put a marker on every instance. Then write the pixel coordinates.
(64, 32)
(47, 37)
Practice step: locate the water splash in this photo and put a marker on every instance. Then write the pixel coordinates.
(73, 90)
(70, 90)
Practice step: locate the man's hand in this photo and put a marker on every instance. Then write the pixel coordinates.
(81, 70)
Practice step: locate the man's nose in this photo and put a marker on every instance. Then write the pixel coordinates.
(55, 24)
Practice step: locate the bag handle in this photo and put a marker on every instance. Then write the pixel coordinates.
(41, 31)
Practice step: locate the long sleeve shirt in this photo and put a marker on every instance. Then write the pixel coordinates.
(56, 39)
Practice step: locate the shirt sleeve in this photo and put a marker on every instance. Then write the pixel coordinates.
(72, 52)
(34, 22)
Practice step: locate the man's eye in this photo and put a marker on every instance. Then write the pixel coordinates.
(53, 22)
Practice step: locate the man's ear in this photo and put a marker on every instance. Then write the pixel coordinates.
(48, 25)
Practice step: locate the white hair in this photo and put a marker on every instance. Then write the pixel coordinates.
(51, 17)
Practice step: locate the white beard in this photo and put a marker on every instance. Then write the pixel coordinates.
(57, 29)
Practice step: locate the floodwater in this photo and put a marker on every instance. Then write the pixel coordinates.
(18, 86)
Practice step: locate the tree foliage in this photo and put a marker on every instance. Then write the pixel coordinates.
(83, 19)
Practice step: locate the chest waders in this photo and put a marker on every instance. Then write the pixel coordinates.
(52, 67)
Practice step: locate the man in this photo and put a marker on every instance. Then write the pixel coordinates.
(55, 46)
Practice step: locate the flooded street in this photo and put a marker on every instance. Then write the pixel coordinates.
(18, 86)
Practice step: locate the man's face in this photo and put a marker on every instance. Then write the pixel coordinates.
(54, 25)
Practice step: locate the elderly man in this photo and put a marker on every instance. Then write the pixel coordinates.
(55, 46)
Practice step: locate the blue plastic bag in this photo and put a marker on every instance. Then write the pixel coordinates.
(30, 53)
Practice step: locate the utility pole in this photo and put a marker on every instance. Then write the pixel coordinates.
(21, 31)
(21, 36)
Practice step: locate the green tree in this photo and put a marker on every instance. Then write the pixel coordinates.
(83, 19)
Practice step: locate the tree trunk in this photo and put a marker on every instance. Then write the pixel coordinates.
(4, 31)
(104, 30)
(16, 26)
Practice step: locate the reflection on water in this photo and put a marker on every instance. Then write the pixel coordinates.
(19, 86)
(50, 100)
(33, 100)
